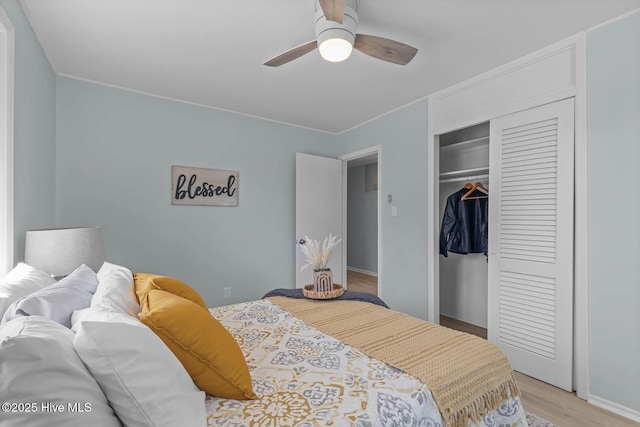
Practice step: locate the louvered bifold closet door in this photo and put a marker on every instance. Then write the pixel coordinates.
(531, 241)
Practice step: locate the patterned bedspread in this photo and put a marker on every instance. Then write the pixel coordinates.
(304, 378)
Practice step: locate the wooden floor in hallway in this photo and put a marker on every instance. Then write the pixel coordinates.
(360, 282)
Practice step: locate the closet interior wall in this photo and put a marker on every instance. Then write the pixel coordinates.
(464, 157)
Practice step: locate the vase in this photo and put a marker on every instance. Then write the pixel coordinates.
(322, 280)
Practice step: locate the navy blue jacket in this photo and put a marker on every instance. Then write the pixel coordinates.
(465, 224)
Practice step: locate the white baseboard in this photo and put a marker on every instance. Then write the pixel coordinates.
(359, 270)
(616, 408)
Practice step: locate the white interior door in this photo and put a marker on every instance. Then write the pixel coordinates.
(531, 240)
(318, 209)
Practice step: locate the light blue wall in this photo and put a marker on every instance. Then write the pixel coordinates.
(403, 137)
(362, 222)
(613, 78)
(34, 131)
(115, 150)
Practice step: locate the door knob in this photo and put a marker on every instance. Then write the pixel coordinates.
(302, 241)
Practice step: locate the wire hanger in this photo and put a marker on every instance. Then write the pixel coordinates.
(474, 187)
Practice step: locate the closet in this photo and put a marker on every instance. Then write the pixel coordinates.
(522, 287)
(533, 111)
(464, 159)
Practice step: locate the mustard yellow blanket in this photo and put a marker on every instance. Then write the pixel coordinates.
(468, 376)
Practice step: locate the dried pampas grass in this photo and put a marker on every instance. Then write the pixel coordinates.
(318, 254)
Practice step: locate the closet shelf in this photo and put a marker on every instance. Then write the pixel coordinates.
(465, 145)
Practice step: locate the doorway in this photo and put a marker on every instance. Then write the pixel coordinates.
(361, 220)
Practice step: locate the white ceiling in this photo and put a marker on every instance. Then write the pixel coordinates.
(210, 52)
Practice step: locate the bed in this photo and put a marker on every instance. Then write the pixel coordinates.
(311, 363)
(305, 377)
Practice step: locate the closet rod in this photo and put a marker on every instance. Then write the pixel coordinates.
(465, 178)
(464, 172)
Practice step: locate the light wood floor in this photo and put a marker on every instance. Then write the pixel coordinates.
(553, 404)
(360, 282)
(463, 326)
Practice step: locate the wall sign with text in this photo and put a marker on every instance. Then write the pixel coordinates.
(197, 186)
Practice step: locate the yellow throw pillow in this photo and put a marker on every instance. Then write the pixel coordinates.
(144, 282)
(206, 349)
(140, 279)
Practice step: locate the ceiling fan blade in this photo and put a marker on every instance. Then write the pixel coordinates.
(292, 54)
(333, 9)
(385, 49)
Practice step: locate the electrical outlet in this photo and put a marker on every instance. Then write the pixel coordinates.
(227, 292)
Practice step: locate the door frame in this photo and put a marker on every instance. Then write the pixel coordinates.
(377, 149)
(7, 55)
(576, 87)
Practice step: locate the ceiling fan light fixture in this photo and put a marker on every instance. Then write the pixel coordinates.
(336, 28)
(335, 39)
(335, 49)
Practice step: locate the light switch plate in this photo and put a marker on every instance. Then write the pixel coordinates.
(394, 211)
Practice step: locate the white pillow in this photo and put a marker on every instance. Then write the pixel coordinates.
(59, 300)
(19, 282)
(115, 290)
(39, 368)
(78, 316)
(144, 382)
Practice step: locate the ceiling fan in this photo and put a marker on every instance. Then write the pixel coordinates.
(336, 23)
